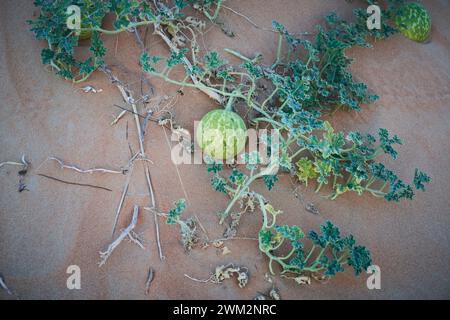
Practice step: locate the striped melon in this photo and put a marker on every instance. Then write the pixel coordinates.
(414, 22)
(221, 134)
(85, 34)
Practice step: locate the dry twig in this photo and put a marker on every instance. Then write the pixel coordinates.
(79, 170)
(155, 216)
(122, 198)
(150, 276)
(23, 164)
(5, 287)
(74, 183)
(126, 233)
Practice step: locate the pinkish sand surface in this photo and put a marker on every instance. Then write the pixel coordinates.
(52, 226)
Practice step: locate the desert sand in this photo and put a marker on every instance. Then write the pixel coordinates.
(53, 225)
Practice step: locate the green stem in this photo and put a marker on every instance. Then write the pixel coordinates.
(216, 12)
(112, 32)
(238, 54)
(297, 153)
(309, 254)
(279, 48)
(238, 196)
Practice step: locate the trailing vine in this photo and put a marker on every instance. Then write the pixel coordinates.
(309, 79)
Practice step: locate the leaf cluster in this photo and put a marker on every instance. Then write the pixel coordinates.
(328, 252)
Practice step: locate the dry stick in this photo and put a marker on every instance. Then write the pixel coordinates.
(11, 163)
(234, 238)
(147, 172)
(176, 167)
(128, 98)
(122, 198)
(120, 116)
(73, 183)
(79, 170)
(249, 20)
(124, 234)
(5, 287)
(150, 187)
(198, 280)
(149, 281)
(24, 163)
(155, 217)
(255, 25)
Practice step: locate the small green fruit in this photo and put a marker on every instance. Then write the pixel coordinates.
(221, 134)
(85, 34)
(414, 22)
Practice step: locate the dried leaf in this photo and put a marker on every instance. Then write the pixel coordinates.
(301, 280)
(218, 244)
(274, 294)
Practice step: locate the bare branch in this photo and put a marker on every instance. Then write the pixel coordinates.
(149, 281)
(104, 255)
(5, 287)
(122, 198)
(74, 183)
(80, 170)
(23, 164)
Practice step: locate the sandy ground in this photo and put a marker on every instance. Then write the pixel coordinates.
(52, 226)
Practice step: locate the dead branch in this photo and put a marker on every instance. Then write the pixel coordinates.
(234, 238)
(120, 116)
(80, 170)
(122, 198)
(23, 164)
(128, 98)
(155, 216)
(135, 238)
(91, 89)
(198, 280)
(74, 183)
(149, 281)
(5, 287)
(126, 233)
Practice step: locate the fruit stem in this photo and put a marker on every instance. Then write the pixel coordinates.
(229, 106)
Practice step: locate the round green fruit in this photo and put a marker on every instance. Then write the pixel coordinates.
(221, 134)
(414, 22)
(85, 34)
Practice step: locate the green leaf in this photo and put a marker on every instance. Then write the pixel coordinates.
(218, 183)
(47, 56)
(174, 214)
(265, 239)
(238, 178)
(176, 58)
(359, 259)
(213, 61)
(148, 62)
(293, 233)
(305, 170)
(97, 47)
(420, 178)
(270, 181)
